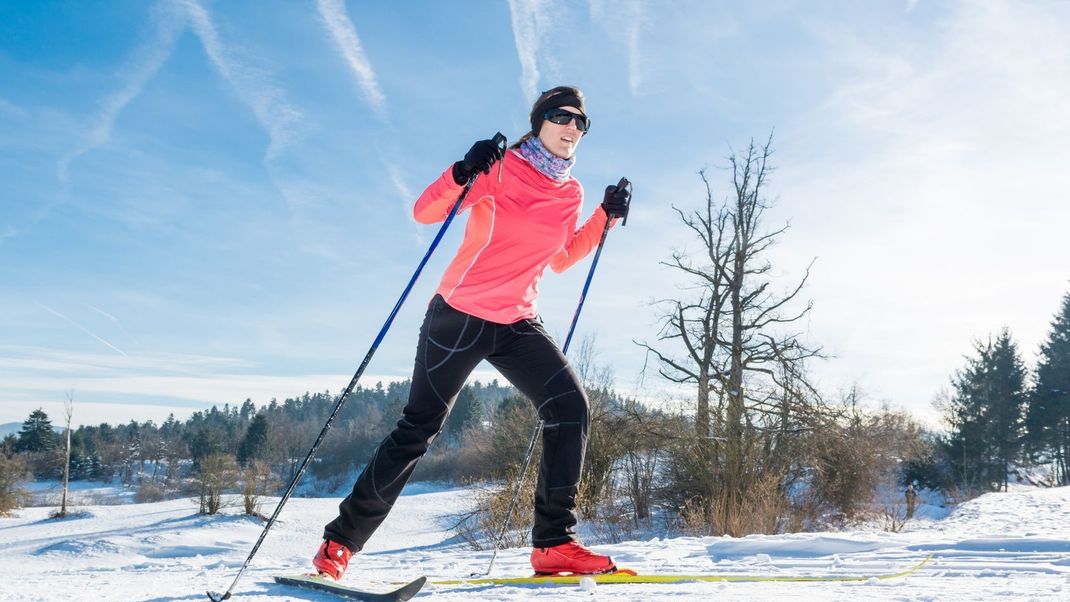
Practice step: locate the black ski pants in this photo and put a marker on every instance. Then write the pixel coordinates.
(451, 344)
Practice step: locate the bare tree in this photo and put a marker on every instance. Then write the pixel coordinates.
(68, 412)
(732, 334)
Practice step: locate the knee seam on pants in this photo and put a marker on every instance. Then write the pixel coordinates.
(549, 399)
(547, 381)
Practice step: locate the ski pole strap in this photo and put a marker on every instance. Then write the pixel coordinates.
(624, 183)
(499, 139)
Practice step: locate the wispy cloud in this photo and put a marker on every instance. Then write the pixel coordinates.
(253, 85)
(144, 63)
(401, 186)
(28, 359)
(204, 388)
(998, 75)
(333, 13)
(528, 20)
(634, 71)
(534, 22)
(407, 197)
(103, 313)
(113, 320)
(623, 19)
(934, 152)
(147, 385)
(12, 109)
(336, 19)
(8, 232)
(82, 328)
(399, 183)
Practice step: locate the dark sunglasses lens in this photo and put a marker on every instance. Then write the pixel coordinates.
(562, 117)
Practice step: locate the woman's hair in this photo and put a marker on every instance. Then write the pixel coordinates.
(561, 96)
(522, 140)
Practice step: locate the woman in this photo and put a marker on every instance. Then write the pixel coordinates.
(484, 309)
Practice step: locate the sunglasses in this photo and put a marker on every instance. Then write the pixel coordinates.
(563, 117)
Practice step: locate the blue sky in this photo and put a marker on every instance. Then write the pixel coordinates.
(207, 201)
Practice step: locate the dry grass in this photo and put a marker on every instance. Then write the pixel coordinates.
(481, 528)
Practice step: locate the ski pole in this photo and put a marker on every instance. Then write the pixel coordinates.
(624, 183)
(499, 139)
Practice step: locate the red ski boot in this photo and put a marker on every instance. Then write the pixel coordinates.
(332, 559)
(571, 557)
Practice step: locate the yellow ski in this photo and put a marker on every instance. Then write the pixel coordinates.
(624, 577)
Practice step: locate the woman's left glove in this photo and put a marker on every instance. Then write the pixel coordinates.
(479, 158)
(616, 200)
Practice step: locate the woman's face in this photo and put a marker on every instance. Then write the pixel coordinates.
(561, 140)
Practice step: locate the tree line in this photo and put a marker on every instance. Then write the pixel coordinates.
(276, 434)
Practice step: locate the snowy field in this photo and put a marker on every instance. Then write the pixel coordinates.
(1002, 546)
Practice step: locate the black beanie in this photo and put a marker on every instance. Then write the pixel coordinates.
(561, 96)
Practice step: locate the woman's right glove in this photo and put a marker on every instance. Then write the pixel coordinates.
(479, 158)
(617, 199)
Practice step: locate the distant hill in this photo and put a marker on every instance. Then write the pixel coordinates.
(9, 428)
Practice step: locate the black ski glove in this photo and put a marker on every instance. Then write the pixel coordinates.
(616, 201)
(479, 158)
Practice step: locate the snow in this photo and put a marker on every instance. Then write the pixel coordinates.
(1002, 546)
(79, 493)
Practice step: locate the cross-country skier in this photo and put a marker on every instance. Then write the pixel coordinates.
(484, 309)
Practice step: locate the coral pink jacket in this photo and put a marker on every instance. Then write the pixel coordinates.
(516, 229)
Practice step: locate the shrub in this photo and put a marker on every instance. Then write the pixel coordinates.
(12, 476)
(481, 527)
(257, 481)
(500, 453)
(852, 459)
(214, 474)
(150, 491)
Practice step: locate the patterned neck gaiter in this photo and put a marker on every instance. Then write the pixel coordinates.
(548, 163)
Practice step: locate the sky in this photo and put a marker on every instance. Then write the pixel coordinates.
(203, 202)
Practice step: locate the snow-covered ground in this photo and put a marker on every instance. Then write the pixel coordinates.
(1005, 546)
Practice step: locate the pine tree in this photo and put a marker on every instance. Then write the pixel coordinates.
(985, 415)
(36, 433)
(965, 444)
(9, 444)
(467, 410)
(254, 444)
(1048, 418)
(248, 409)
(1006, 401)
